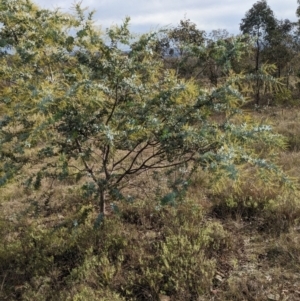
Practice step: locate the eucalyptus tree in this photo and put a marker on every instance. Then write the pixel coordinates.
(76, 107)
(259, 22)
(298, 13)
(282, 48)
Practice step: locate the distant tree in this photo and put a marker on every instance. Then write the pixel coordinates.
(218, 56)
(298, 13)
(282, 47)
(218, 34)
(174, 45)
(259, 23)
(74, 107)
(174, 40)
(186, 33)
(193, 55)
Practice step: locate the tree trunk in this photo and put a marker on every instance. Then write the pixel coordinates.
(101, 201)
(257, 96)
(288, 78)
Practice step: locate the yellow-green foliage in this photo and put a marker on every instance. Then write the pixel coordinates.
(79, 109)
(284, 98)
(79, 119)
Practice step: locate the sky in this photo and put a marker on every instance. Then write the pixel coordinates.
(148, 15)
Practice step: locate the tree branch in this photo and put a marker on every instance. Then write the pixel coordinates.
(88, 169)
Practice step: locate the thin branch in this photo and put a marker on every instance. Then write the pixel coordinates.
(137, 155)
(89, 170)
(154, 165)
(75, 167)
(105, 161)
(126, 156)
(129, 169)
(144, 168)
(132, 163)
(148, 144)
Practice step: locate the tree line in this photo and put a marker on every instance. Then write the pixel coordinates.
(272, 48)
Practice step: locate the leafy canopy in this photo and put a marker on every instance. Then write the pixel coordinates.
(74, 106)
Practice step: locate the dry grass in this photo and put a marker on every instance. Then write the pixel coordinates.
(286, 122)
(268, 266)
(249, 236)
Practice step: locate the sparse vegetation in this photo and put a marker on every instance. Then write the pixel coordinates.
(134, 176)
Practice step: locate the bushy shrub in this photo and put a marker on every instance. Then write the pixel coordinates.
(284, 97)
(171, 253)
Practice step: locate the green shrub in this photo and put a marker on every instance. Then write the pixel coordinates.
(169, 251)
(284, 98)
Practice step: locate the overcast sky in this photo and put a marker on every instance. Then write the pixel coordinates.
(149, 15)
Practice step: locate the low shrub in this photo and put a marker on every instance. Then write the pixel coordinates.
(138, 254)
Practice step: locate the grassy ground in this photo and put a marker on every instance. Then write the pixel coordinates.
(268, 267)
(221, 243)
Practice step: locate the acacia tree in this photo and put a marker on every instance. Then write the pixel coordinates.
(259, 22)
(75, 107)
